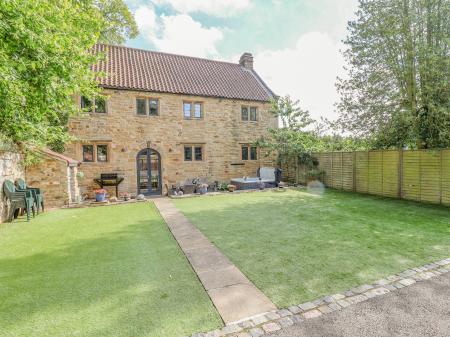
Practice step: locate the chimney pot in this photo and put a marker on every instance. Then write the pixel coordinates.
(246, 61)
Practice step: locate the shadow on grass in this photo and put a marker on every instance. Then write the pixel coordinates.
(297, 246)
(131, 282)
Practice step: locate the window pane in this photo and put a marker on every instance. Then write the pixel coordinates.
(141, 106)
(100, 105)
(198, 110)
(253, 113)
(188, 153)
(153, 107)
(244, 113)
(253, 153)
(187, 110)
(244, 152)
(102, 153)
(88, 153)
(198, 153)
(86, 104)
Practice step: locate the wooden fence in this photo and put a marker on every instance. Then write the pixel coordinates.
(422, 175)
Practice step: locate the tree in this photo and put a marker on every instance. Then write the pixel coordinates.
(291, 142)
(397, 90)
(45, 58)
(119, 24)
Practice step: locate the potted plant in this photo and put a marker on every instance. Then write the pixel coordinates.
(231, 188)
(126, 196)
(100, 195)
(202, 188)
(222, 186)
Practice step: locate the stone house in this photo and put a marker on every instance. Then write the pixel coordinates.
(171, 118)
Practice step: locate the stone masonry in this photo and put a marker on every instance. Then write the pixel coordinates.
(220, 132)
(11, 168)
(56, 176)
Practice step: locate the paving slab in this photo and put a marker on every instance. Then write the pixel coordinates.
(228, 276)
(233, 294)
(189, 241)
(239, 301)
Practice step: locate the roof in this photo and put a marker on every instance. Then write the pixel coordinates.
(58, 156)
(143, 70)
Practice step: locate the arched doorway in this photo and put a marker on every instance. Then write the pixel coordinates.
(148, 172)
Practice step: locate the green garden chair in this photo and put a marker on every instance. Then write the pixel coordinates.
(18, 200)
(38, 197)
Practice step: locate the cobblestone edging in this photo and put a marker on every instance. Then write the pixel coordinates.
(276, 320)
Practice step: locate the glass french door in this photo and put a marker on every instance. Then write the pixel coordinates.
(148, 172)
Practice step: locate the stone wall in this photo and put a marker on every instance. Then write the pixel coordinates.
(221, 133)
(10, 169)
(57, 180)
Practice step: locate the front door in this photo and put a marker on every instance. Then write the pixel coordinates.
(148, 172)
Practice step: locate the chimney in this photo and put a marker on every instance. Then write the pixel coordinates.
(246, 61)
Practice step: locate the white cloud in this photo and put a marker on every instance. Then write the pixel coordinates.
(178, 34)
(212, 7)
(182, 35)
(146, 20)
(306, 72)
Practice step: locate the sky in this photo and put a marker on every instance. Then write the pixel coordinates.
(295, 43)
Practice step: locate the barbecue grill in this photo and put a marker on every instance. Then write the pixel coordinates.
(109, 179)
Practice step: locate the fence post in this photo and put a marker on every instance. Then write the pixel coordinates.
(331, 171)
(354, 171)
(440, 176)
(382, 173)
(400, 173)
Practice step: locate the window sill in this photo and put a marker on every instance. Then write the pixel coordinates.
(98, 113)
(95, 162)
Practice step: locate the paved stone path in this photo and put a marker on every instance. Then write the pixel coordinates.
(234, 296)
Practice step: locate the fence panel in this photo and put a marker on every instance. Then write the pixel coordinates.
(376, 172)
(411, 175)
(347, 171)
(326, 166)
(414, 175)
(362, 171)
(391, 173)
(430, 177)
(445, 177)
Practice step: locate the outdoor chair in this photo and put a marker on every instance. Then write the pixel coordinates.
(18, 200)
(38, 196)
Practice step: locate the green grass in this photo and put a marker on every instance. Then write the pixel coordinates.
(296, 246)
(105, 271)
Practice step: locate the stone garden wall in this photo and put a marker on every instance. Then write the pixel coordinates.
(56, 176)
(10, 169)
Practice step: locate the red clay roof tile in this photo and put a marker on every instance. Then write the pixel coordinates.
(136, 69)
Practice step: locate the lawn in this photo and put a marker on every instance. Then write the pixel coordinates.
(105, 271)
(296, 246)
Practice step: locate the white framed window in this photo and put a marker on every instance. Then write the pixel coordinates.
(193, 110)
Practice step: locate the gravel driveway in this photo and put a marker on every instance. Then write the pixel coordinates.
(422, 309)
